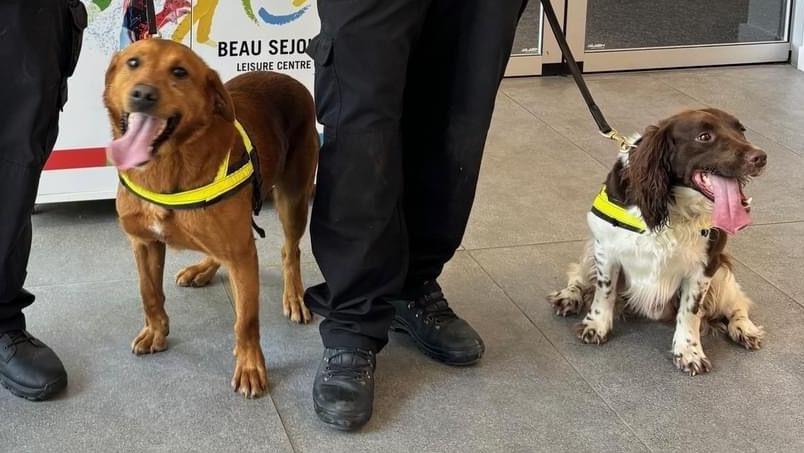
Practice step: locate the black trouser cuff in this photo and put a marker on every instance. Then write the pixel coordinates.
(351, 341)
(16, 322)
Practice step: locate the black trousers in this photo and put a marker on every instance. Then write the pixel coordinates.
(405, 90)
(39, 47)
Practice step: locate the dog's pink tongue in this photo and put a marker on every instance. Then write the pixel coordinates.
(134, 147)
(729, 214)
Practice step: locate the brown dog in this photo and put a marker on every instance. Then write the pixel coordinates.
(173, 123)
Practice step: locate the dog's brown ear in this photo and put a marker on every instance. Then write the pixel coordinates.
(649, 175)
(111, 70)
(221, 101)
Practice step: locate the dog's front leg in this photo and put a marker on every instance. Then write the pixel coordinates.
(596, 326)
(150, 258)
(688, 353)
(250, 377)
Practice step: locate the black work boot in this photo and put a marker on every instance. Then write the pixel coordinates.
(28, 368)
(343, 390)
(436, 329)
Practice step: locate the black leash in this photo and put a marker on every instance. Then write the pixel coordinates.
(625, 143)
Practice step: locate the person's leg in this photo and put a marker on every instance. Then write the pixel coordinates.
(39, 34)
(452, 84)
(357, 227)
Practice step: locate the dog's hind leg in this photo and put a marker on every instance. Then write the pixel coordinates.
(150, 258)
(198, 275)
(292, 194)
(726, 300)
(293, 215)
(580, 285)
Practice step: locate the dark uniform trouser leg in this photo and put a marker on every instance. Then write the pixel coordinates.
(364, 56)
(452, 84)
(39, 47)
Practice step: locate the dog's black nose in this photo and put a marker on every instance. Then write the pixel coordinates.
(143, 98)
(757, 158)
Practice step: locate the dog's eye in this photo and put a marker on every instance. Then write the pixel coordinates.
(133, 62)
(179, 72)
(704, 137)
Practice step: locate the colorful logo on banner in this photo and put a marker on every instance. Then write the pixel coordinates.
(276, 12)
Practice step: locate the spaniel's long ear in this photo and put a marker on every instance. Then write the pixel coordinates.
(649, 175)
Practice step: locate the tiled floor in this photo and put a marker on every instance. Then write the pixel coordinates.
(537, 389)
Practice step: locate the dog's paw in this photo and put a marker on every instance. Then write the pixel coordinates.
(250, 376)
(149, 341)
(746, 333)
(567, 302)
(592, 331)
(691, 359)
(293, 308)
(196, 276)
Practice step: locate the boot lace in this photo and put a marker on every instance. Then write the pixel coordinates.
(358, 371)
(433, 309)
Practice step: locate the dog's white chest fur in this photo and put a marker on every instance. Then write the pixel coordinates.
(157, 229)
(655, 264)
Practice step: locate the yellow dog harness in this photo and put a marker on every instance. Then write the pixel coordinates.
(616, 214)
(225, 183)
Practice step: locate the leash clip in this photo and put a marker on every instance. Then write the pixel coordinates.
(625, 143)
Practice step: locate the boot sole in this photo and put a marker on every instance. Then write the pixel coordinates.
(34, 394)
(439, 356)
(337, 421)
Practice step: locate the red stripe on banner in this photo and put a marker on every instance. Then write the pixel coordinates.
(76, 158)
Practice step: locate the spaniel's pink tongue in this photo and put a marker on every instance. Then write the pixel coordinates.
(728, 214)
(134, 147)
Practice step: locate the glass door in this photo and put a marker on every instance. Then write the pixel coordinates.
(533, 47)
(646, 34)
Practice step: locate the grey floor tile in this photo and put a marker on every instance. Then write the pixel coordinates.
(776, 252)
(630, 103)
(177, 400)
(82, 242)
(751, 401)
(532, 179)
(522, 397)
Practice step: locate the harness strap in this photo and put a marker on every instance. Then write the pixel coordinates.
(616, 214)
(225, 184)
(255, 164)
(256, 179)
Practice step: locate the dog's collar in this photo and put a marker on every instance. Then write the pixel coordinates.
(617, 214)
(225, 183)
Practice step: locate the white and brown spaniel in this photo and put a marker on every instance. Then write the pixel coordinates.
(659, 229)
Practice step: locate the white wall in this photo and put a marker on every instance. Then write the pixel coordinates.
(797, 34)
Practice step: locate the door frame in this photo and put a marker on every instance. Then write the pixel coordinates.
(675, 56)
(533, 65)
